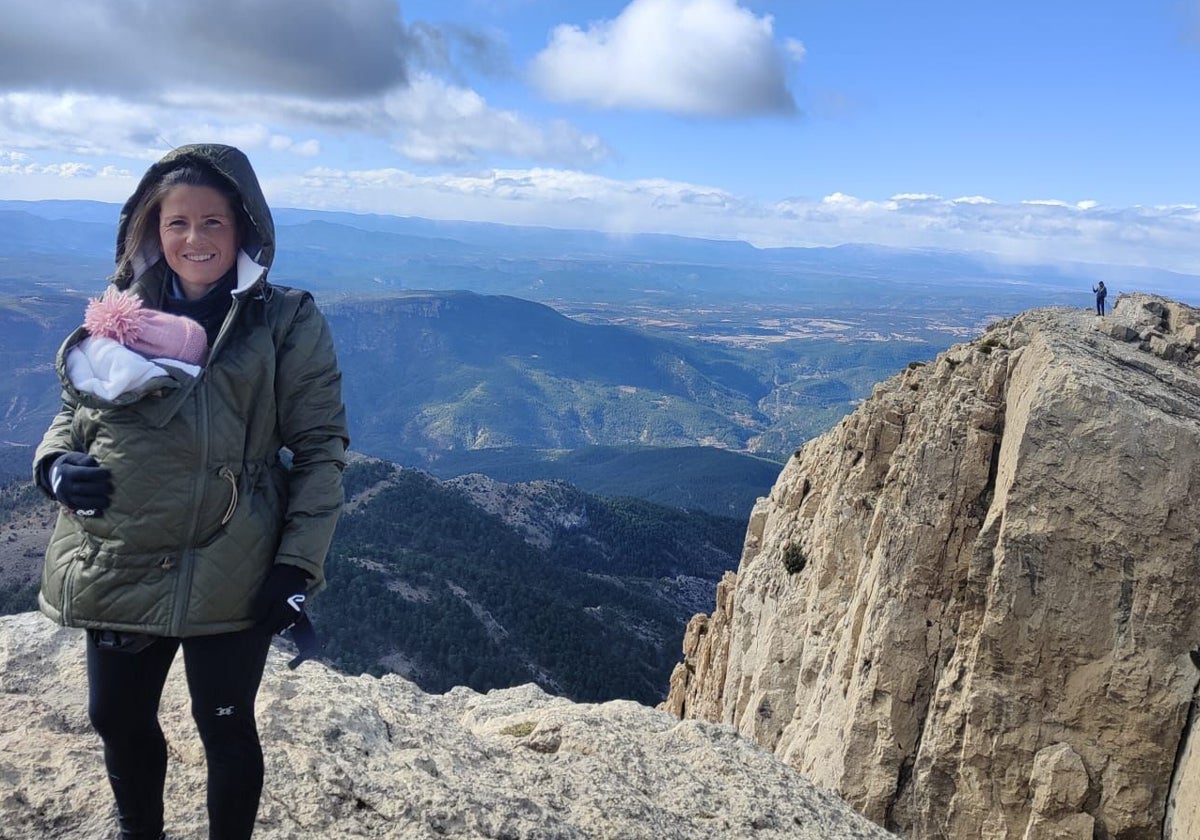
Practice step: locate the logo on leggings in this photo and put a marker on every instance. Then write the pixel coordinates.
(224, 711)
(296, 602)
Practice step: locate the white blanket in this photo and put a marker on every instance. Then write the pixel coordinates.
(108, 368)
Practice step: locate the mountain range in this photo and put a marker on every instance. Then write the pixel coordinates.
(333, 252)
(430, 374)
(568, 339)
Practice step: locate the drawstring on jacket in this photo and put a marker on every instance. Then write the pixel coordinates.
(228, 475)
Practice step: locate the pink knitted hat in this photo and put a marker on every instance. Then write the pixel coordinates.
(154, 334)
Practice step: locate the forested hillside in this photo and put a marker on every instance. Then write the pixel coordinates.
(690, 477)
(424, 582)
(430, 372)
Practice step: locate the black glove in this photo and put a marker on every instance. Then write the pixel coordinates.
(280, 602)
(79, 482)
(305, 637)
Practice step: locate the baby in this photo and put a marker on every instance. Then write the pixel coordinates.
(128, 343)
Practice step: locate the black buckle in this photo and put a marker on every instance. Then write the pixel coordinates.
(114, 640)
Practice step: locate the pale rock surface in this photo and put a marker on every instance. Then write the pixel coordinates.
(968, 609)
(535, 508)
(364, 757)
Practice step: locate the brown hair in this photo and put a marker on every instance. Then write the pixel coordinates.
(143, 223)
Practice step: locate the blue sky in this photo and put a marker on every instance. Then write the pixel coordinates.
(1046, 131)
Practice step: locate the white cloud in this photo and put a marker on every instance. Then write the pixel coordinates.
(104, 126)
(1046, 230)
(974, 199)
(78, 124)
(246, 136)
(35, 181)
(541, 196)
(429, 121)
(545, 186)
(59, 170)
(441, 123)
(66, 169)
(841, 199)
(795, 49)
(696, 57)
(306, 148)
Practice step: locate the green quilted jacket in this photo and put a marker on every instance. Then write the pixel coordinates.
(216, 477)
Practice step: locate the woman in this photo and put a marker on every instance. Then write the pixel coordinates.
(198, 506)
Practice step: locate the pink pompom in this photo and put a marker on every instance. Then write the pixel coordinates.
(116, 315)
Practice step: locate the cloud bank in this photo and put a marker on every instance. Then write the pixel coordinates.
(135, 78)
(1043, 232)
(1039, 230)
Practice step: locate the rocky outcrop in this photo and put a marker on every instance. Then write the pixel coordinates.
(968, 609)
(363, 757)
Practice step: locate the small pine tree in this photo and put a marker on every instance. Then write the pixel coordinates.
(793, 559)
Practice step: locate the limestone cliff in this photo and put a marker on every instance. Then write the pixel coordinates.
(363, 757)
(968, 609)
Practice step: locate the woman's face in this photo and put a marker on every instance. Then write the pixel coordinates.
(198, 232)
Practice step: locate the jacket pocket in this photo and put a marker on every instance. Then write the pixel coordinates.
(97, 584)
(117, 589)
(73, 564)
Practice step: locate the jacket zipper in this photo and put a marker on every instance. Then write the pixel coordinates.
(187, 565)
(187, 562)
(68, 612)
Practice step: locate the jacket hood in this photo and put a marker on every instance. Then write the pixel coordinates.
(258, 245)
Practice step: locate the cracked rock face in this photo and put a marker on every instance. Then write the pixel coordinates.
(968, 609)
(354, 757)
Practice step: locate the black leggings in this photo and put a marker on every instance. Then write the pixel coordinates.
(223, 674)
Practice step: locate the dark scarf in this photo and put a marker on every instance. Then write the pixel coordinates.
(210, 310)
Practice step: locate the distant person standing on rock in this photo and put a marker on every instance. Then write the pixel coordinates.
(1101, 294)
(197, 460)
